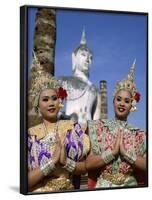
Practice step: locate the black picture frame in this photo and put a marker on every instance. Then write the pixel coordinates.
(24, 63)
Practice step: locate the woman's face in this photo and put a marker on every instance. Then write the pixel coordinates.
(49, 104)
(122, 104)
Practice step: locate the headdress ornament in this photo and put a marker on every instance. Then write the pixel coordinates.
(41, 81)
(128, 84)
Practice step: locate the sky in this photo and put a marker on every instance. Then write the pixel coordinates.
(115, 38)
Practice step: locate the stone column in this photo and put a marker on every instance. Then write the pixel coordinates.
(104, 107)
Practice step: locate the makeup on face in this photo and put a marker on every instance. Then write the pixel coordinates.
(122, 104)
(49, 104)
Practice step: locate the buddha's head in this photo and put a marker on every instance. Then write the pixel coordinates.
(82, 57)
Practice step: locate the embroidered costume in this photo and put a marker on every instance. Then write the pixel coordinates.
(41, 147)
(54, 146)
(118, 170)
(103, 135)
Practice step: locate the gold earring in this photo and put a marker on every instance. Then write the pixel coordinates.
(39, 113)
(61, 105)
(133, 109)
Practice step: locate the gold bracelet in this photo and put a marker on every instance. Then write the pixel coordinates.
(130, 157)
(47, 168)
(107, 156)
(70, 165)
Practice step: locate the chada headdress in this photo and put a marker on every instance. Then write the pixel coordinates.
(128, 84)
(42, 80)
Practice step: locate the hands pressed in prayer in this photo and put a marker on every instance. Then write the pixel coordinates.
(119, 146)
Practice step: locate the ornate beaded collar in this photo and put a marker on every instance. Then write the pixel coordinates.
(115, 124)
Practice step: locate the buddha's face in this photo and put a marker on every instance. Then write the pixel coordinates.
(122, 104)
(83, 60)
(49, 104)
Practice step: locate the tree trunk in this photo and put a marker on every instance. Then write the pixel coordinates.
(43, 53)
(45, 38)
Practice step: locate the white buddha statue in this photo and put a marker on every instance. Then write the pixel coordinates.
(83, 101)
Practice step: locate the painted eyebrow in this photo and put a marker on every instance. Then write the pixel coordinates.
(126, 98)
(54, 95)
(45, 97)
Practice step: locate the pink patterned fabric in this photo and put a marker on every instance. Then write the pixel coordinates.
(106, 134)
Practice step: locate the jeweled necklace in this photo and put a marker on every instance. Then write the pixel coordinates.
(121, 122)
(50, 137)
(55, 127)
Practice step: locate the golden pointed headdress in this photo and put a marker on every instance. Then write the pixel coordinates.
(128, 84)
(41, 80)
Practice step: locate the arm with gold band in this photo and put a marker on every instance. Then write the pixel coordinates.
(131, 156)
(141, 163)
(96, 161)
(46, 167)
(76, 168)
(138, 161)
(36, 175)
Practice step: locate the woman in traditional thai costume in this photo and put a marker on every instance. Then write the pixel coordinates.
(56, 148)
(118, 149)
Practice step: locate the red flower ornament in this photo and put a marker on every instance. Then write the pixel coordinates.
(137, 96)
(62, 93)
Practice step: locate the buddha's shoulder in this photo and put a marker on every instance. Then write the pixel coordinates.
(72, 81)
